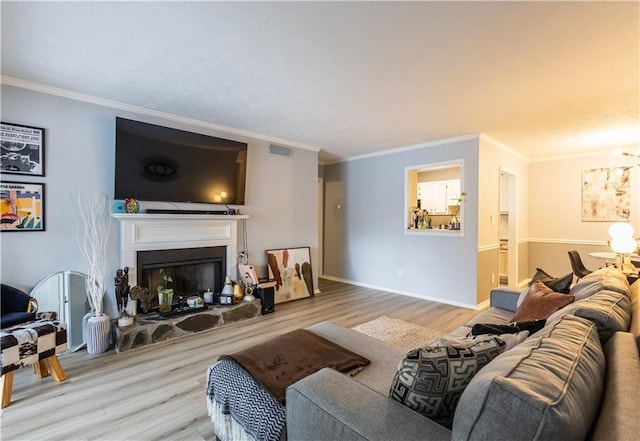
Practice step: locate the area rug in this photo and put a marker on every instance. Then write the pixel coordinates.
(398, 333)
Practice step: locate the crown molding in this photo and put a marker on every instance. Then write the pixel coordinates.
(78, 96)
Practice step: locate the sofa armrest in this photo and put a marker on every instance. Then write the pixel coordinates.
(505, 298)
(329, 405)
(618, 418)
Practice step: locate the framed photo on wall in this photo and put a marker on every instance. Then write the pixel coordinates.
(21, 206)
(22, 150)
(291, 269)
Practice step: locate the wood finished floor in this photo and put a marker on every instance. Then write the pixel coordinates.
(158, 392)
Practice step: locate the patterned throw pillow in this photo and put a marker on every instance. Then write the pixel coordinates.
(431, 380)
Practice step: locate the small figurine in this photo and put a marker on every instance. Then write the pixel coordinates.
(122, 287)
(144, 295)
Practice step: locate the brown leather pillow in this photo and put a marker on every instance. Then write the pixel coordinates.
(540, 303)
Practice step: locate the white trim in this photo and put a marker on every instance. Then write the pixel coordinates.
(484, 305)
(404, 293)
(145, 232)
(492, 246)
(434, 232)
(582, 154)
(65, 93)
(567, 241)
(410, 147)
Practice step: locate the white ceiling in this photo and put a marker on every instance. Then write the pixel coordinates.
(547, 79)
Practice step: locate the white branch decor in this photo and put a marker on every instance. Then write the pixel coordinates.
(94, 224)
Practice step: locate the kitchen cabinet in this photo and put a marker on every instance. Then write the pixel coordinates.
(437, 196)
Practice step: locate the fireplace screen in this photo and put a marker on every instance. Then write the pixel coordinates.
(193, 270)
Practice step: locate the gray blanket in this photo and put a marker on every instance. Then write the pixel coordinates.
(246, 401)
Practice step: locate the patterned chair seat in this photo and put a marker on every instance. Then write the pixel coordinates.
(34, 343)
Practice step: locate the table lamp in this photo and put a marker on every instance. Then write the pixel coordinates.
(622, 241)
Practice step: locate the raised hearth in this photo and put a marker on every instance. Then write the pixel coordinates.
(152, 328)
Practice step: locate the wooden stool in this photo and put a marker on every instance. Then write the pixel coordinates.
(35, 343)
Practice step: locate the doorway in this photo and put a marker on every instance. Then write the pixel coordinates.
(507, 231)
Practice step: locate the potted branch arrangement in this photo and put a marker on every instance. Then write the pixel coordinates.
(165, 294)
(93, 234)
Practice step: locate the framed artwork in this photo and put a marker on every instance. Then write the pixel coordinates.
(22, 150)
(291, 269)
(606, 194)
(21, 206)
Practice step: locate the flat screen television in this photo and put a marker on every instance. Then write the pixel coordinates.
(155, 163)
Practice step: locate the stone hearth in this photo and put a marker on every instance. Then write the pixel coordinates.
(152, 328)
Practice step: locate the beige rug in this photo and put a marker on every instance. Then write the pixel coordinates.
(398, 333)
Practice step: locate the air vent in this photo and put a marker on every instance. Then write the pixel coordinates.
(281, 150)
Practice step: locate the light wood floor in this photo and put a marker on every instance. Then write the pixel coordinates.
(158, 392)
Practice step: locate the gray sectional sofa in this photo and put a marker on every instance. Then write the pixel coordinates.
(577, 378)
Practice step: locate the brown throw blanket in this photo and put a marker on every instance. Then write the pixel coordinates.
(285, 359)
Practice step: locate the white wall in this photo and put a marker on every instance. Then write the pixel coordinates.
(555, 212)
(494, 158)
(281, 192)
(555, 198)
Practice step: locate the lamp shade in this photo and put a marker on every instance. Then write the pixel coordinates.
(623, 245)
(620, 229)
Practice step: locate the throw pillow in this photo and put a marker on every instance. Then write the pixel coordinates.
(540, 303)
(430, 380)
(558, 284)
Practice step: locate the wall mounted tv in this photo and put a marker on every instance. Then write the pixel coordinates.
(155, 163)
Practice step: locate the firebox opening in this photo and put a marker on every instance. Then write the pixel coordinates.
(193, 270)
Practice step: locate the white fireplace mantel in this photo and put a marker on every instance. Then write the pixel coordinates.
(147, 232)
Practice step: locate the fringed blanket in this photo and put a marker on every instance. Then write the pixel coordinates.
(240, 408)
(246, 390)
(290, 357)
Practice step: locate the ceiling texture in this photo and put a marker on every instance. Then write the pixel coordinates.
(547, 79)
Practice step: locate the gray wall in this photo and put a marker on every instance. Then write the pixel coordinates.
(364, 239)
(281, 193)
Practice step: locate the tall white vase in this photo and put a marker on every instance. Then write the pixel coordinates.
(97, 334)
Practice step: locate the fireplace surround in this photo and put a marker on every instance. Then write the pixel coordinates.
(204, 242)
(207, 237)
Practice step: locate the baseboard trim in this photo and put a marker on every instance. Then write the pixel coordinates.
(404, 293)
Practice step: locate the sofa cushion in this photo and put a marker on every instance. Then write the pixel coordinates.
(548, 387)
(491, 315)
(605, 278)
(384, 358)
(430, 380)
(634, 326)
(610, 311)
(540, 303)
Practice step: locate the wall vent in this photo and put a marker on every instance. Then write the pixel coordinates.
(281, 150)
